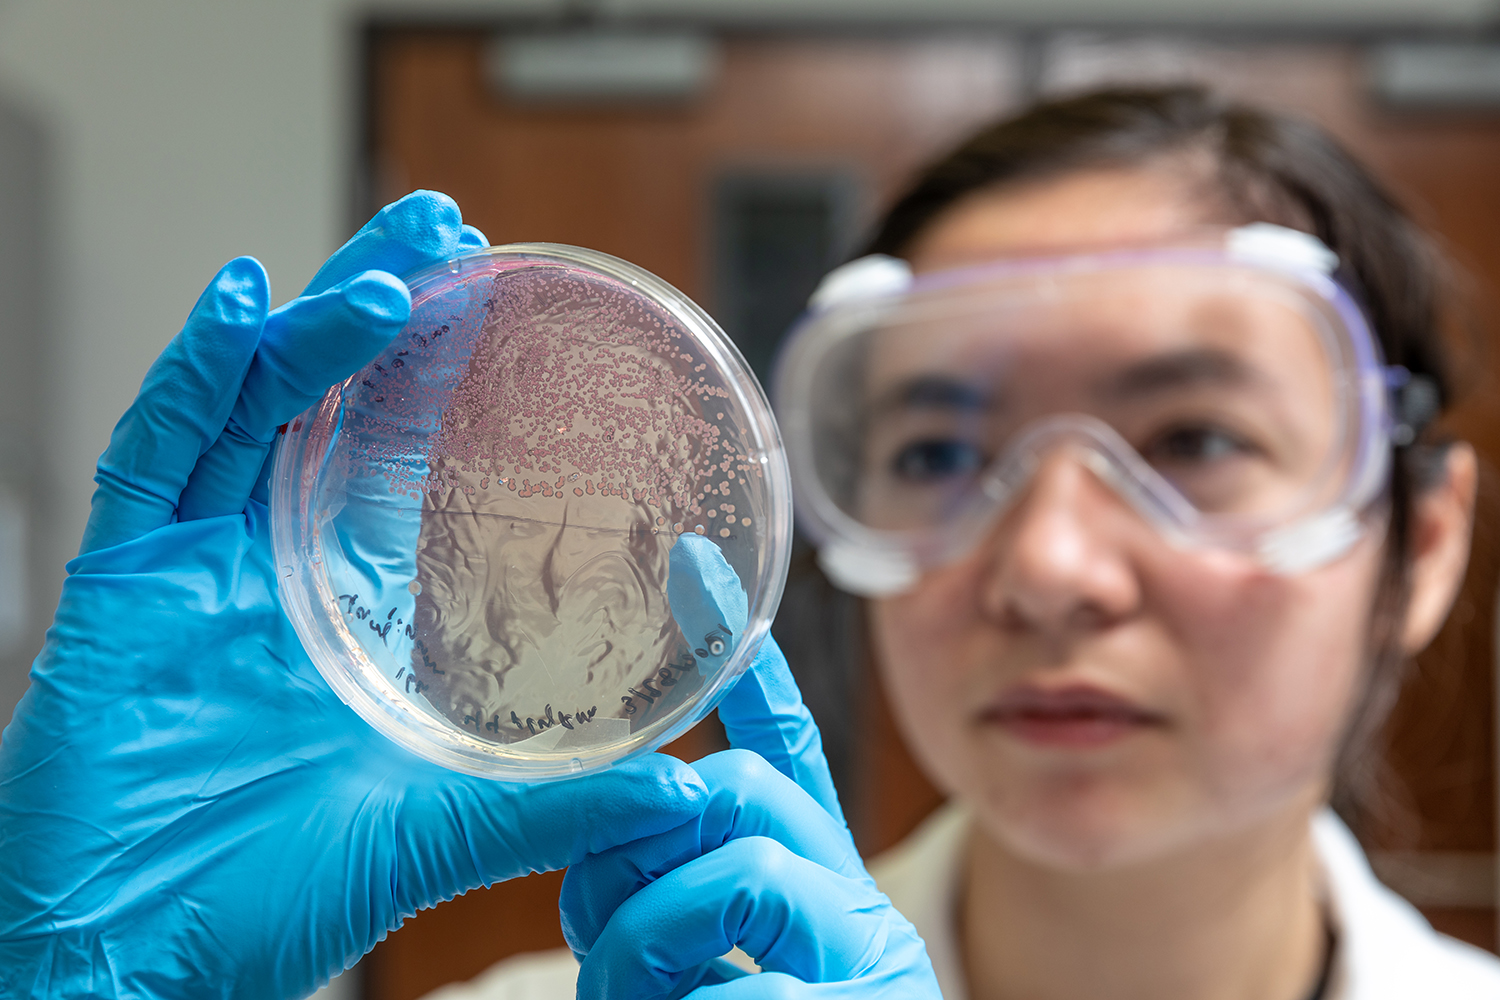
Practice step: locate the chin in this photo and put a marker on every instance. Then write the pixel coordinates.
(1083, 829)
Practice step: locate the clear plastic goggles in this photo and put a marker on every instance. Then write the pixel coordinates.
(1227, 388)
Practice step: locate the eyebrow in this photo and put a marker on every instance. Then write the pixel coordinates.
(932, 392)
(1192, 368)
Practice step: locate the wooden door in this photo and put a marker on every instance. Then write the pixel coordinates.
(649, 182)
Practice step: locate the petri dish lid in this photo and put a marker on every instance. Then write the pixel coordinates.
(544, 530)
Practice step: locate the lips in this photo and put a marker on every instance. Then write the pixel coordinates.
(1075, 716)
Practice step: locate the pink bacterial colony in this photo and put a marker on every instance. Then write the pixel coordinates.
(570, 387)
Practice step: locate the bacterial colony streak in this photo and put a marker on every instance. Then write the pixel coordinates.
(557, 431)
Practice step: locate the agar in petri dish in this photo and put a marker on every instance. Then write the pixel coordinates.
(545, 529)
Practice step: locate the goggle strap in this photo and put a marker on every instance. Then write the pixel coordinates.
(1265, 244)
(867, 571)
(1311, 542)
(1416, 402)
(870, 277)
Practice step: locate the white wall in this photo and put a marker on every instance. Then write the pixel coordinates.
(182, 134)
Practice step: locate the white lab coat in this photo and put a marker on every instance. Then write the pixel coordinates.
(1386, 950)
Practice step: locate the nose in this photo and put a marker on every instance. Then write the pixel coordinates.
(1058, 560)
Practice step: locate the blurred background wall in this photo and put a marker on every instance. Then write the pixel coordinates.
(144, 144)
(175, 135)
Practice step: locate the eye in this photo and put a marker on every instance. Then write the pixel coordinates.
(936, 458)
(1196, 444)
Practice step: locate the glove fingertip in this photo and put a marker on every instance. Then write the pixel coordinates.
(645, 796)
(379, 296)
(472, 239)
(240, 294)
(668, 780)
(416, 230)
(425, 204)
(424, 220)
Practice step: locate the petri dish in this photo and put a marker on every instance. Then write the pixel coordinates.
(546, 528)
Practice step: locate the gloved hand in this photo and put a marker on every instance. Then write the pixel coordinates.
(769, 866)
(186, 809)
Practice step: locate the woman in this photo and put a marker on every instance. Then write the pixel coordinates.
(1147, 530)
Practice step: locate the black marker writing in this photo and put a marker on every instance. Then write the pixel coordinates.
(664, 677)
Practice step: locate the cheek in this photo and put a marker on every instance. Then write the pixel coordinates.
(1272, 668)
(926, 655)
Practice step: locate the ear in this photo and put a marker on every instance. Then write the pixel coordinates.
(1442, 523)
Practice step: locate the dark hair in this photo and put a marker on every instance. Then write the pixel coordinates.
(1259, 167)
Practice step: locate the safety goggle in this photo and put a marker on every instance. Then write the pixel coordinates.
(1227, 387)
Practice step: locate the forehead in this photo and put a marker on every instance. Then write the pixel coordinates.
(1111, 334)
(1085, 209)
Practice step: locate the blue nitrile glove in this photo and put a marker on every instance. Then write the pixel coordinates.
(186, 809)
(764, 712)
(769, 866)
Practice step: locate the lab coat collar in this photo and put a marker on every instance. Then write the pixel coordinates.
(1386, 949)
